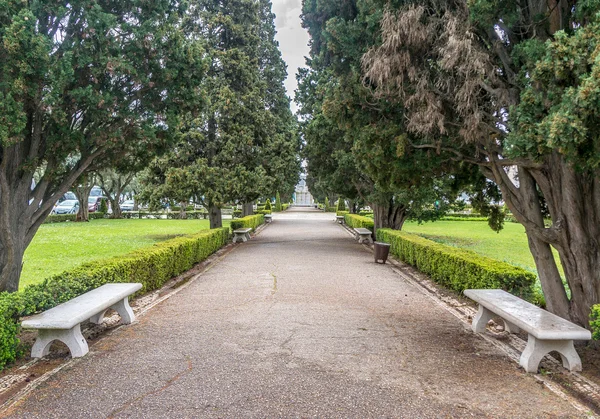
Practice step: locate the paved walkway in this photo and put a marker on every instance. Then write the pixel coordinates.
(298, 322)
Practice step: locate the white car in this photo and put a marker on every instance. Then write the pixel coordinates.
(70, 206)
(127, 205)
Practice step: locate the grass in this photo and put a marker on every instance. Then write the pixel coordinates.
(61, 246)
(509, 245)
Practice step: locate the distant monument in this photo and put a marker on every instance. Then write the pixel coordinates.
(302, 196)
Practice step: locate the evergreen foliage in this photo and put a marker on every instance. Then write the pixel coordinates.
(341, 205)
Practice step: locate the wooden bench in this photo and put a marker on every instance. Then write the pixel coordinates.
(547, 332)
(242, 234)
(363, 234)
(268, 218)
(339, 219)
(63, 321)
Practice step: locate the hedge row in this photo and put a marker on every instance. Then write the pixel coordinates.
(61, 218)
(190, 215)
(459, 269)
(461, 215)
(595, 321)
(284, 207)
(453, 217)
(338, 213)
(152, 267)
(249, 221)
(366, 213)
(357, 221)
(263, 212)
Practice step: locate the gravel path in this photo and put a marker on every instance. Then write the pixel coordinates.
(297, 322)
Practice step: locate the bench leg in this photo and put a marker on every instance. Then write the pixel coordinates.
(98, 318)
(247, 237)
(71, 337)
(481, 319)
(510, 328)
(240, 237)
(536, 349)
(124, 310)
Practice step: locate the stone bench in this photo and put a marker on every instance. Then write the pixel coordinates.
(268, 218)
(547, 332)
(363, 234)
(63, 321)
(242, 234)
(339, 219)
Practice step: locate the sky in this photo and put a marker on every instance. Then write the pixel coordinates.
(292, 38)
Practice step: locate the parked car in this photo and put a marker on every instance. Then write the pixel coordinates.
(127, 205)
(70, 206)
(94, 203)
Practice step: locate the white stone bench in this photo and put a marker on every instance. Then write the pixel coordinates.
(340, 219)
(242, 234)
(63, 321)
(547, 332)
(363, 234)
(268, 218)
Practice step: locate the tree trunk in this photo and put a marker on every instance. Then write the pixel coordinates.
(214, 215)
(12, 249)
(247, 209)
(83, 194)
(116, 208)
(182, 213)
(389, 215)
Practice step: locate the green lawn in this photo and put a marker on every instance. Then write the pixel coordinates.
(61, 246)
(510, 245)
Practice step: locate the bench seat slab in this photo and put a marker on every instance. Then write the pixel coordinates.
(70, 337)
(363, 234)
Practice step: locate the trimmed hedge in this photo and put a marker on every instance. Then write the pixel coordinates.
(595, 321)
(357, 221)
(284, 207)
(342, 212)
(151, 266)
(263, 212)
(459, 269)
(61, 218)
(461, 215)
(191, 215)
(331, 209)
(365, 213)
(454, 218)
(249, 221)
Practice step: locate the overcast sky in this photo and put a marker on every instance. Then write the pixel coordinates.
(293, 40)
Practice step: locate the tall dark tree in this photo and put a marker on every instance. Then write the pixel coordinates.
(518, 82)
(243, 143)
(76, 79)
(356, 145)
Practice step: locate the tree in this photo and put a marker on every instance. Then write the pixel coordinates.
(243, 143)
(113, 184)
(355, 143)
(75, 80)
(517, 84)
(278, 206)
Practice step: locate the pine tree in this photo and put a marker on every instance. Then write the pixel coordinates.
(278, 206)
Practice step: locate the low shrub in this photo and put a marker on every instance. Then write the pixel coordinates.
(461, 215)
(357, 221)
(365, 213)
(151, 266)
(263, 212)
(331, 209)
(237, 213)
(459, 269)
(342, 212)
(284, 207)
(61, 218)
(595, 321)
(454, 218)
(250, 221)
